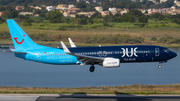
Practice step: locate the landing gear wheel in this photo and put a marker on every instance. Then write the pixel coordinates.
(91, 69)
(159, 66)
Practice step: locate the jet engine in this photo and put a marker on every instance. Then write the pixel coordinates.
(110, 62)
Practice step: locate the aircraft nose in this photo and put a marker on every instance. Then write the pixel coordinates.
(173, 54)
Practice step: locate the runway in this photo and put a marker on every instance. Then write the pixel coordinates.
(87, 97)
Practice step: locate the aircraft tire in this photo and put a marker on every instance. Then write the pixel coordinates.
(159, 66)
(91, 69)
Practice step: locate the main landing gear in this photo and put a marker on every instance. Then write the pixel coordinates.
(92, 68)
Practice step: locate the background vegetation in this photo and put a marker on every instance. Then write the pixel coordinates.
(133, 27)
(89, 7)
(131, 89)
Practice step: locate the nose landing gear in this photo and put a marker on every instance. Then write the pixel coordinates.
(159, 66)
(92, 68)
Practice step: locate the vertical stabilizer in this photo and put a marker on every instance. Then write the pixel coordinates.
(20, 39)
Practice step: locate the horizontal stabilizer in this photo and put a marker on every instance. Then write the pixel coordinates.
(17, 52)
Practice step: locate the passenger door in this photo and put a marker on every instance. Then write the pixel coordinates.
(157, 53)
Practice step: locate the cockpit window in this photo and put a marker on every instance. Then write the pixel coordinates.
(166, 50)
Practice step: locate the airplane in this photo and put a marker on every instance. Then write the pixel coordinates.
(106, 56)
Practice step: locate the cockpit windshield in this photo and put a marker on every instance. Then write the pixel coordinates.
(166, 50)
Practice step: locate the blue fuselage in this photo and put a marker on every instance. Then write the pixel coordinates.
(130, 53)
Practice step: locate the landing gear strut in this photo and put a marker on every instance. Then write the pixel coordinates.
(159, 66)
(92, 68)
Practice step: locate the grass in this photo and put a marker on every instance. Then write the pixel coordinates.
(57, 44)
(130, 89)
(52, 30)
(36, 28)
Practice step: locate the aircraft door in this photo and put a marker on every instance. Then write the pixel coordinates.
(38, 56)
(157, 52)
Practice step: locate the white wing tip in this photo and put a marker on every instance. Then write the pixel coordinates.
(64, 47)
(71, 42)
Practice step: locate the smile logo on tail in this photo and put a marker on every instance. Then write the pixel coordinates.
(19, 42)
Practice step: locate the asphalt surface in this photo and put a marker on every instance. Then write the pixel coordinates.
(87, 97)
(10, 97)
(109, 98)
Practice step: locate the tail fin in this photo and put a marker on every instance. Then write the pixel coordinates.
(20, 39)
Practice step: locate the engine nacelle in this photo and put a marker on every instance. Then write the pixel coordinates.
(110, 62)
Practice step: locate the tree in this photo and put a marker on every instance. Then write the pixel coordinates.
(23, 16)
(153, 38)
(1, 20)
(168, 3)
(106, 5)
(6, 14)
(161, 17)
(90, 21)
(158, 16)
(178, 22)
(96, 15)
(127, 18)
(175, 20)
(27, 22)
(81, 5)
(90, 7)
(9, 8)
(83, 21)
(166, 19)
(28, 9)
(108, 19)
(2, 8)
(158, 1)
(42, 15)
(149, 3)
(25, 4)
(37, 11)
(144, 6)
(143, 19)
(81, 16)
(130, 6)
(14, 14)
(55, 15)
(116, 17)
(136, 13)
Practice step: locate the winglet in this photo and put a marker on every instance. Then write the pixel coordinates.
(65, 48)
(71, 43)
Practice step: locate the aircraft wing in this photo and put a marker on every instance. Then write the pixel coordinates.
(71, 43)
(83, 59)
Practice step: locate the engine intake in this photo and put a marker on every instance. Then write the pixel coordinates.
(110, 62)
